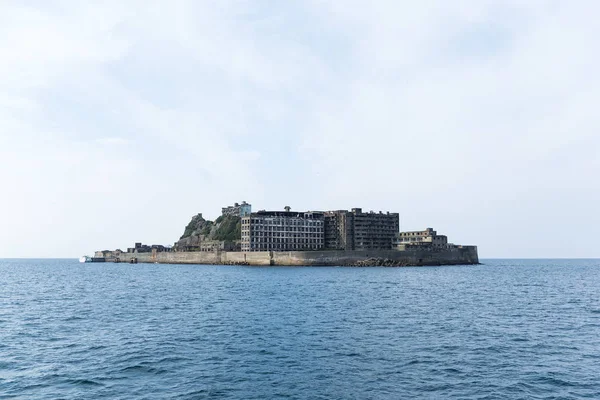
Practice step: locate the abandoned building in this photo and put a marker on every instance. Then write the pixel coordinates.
(358, 230)
(428, 237)
(202, 243)
(238, 210)
(282, 231)
(298, 231)
(335, 230)
(144, 248)
(220, 245)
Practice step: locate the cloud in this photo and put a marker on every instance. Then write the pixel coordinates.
(112, 141)
(476, 117)
(460, 134)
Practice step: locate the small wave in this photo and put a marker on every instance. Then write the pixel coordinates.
(440, 387)
(415, 362)
(7, 365)
(84, 382)
(351, 354)
(73, 318)
(549, 380)
(173, 359)
(146, 369)
(97, 347)
(452, 370)
(194, 394)
(54, 339)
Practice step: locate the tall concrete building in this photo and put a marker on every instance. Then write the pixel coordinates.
(282, 231)
(335, 230)
(339, 230)
(358, 230)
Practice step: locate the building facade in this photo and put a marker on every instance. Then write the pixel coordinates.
(238, 210)
(358, 230)
(144, 248)
(219, 245)
(283, 231)
(428, 237)
(339, 230)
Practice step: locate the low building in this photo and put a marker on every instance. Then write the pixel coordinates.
(106, 253)
(144, 248)
(358, 230)
(219, 245)
(238, 210)
(428, 237)
(282, 231)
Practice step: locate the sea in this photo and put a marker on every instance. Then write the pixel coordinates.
(506, 329)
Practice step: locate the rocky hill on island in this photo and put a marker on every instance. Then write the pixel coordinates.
(224, 228)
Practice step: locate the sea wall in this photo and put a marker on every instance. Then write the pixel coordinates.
(425, 256)
(453, 256)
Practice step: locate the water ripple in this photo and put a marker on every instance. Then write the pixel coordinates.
(519, 329)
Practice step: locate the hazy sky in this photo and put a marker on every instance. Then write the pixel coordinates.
(119, 120)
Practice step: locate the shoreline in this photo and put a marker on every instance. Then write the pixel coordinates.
(459, 255)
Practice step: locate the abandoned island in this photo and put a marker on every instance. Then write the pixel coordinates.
(308, 238)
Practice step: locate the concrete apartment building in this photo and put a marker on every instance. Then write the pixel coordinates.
(339, 230)
(239, 210)
(282, 231)
(428, 237)
(335, 230)
(358, 230)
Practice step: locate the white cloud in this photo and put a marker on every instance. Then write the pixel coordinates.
(476, 117)
(461, 139)
(112, 141)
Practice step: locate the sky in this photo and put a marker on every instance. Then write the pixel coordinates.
(119, 121)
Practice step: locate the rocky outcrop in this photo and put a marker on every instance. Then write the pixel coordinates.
(197, 226)
(226, 228)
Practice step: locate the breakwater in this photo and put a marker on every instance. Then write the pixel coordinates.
(411, 257)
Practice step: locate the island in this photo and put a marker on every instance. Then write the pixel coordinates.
(299, 238)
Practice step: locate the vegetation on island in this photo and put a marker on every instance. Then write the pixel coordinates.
(225, 227)
(194, 227)
(229, 228)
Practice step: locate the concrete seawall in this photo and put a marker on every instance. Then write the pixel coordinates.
(453, 256)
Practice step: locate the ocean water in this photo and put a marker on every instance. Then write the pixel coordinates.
(508, 329)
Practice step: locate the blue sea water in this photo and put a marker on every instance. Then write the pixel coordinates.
(508, 329)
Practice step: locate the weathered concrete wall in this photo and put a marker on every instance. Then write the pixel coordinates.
(453, 256)
(464, 255)
(251, 258)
